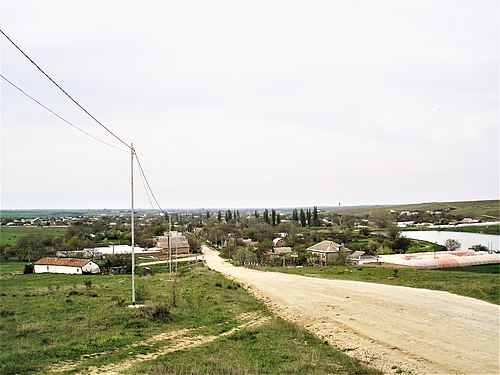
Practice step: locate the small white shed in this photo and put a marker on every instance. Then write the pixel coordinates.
(66, 265)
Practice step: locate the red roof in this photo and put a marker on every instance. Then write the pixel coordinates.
(67, 262)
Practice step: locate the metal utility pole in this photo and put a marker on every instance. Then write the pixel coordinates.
(170, 244)
(132, 219)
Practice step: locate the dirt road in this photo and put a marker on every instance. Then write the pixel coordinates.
(391, 328)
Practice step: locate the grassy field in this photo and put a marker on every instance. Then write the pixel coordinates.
(489, 209)
(486, 229)
(78, 323)
(479, 282)
(10, 235)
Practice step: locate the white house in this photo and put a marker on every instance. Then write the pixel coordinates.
(65, 265)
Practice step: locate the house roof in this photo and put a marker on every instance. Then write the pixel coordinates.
(282, 250)
(177, 241)
(276, 240)
(357, 254)
(325, 247)
(67, 262)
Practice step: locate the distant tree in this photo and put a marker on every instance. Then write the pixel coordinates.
(266, 216)
(451, 244)
(479, 247)
(309, 217)
(278, 219)
(256, 214)
(382, 218)
(315, 217)
(194, 244)
(273, 218)
(295, 215)
(364, 231)
(393, 231)
(401, 244)
(384, 250)
(219, 216)
(302, 218)
(208, 214)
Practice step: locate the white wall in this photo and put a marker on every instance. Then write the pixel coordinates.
(57, 269)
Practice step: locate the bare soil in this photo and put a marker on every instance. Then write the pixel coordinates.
(391, 328)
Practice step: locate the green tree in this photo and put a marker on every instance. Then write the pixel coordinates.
(295, 215)
(393, 231)
(266, 216)
(219, 216)
(451, 244)
(302, 218)
(273, 218)
(316, 222)
(309, 217)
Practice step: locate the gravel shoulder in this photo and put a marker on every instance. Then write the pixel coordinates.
(391, 328)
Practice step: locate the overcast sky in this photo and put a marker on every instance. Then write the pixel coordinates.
(251, 103)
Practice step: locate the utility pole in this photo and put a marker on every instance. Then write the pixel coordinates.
(132, 219)
(170, 244)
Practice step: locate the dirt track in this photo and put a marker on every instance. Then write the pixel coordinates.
(391, 328)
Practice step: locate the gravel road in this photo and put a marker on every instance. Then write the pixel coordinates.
(394, 329)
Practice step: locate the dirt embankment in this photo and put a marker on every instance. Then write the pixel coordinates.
(391, 328)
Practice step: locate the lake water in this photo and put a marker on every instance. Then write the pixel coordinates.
(467, 240)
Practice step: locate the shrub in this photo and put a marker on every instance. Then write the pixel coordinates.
(28, 268)
(158, 313)
(140, 293)
(88, 284)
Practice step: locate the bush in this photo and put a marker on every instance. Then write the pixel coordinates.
(140, 293)
(28, 268)
(158, 313)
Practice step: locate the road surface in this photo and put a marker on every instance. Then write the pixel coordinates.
(392, 328)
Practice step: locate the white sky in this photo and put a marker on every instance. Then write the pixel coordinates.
(252, 103)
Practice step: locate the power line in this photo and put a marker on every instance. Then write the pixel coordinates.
(60, 88)
(146, 189)
(87, 112)
(147, 182)
(55, 114)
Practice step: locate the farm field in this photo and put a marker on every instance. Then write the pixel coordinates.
(487, 209)
(480, 282)
(74, 323)
(10, 235)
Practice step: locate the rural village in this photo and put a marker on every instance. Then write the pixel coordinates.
(249, 188)
(329, 242)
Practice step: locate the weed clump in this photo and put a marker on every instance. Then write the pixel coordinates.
(88, 284)
(5, 313)
(158, 313)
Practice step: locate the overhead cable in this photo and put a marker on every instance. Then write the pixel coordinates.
(147, 182)
(55, 114)
(60, 88)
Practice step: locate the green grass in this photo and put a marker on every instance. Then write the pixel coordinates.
(487, 209)
(481, 284)
(486, 229)
(48, 319)
(10, 235)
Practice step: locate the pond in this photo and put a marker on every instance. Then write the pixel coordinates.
(467, 240)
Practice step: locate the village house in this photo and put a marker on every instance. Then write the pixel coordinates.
(178, 243)
(278, 249)
(328, 251)
(66, 265)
